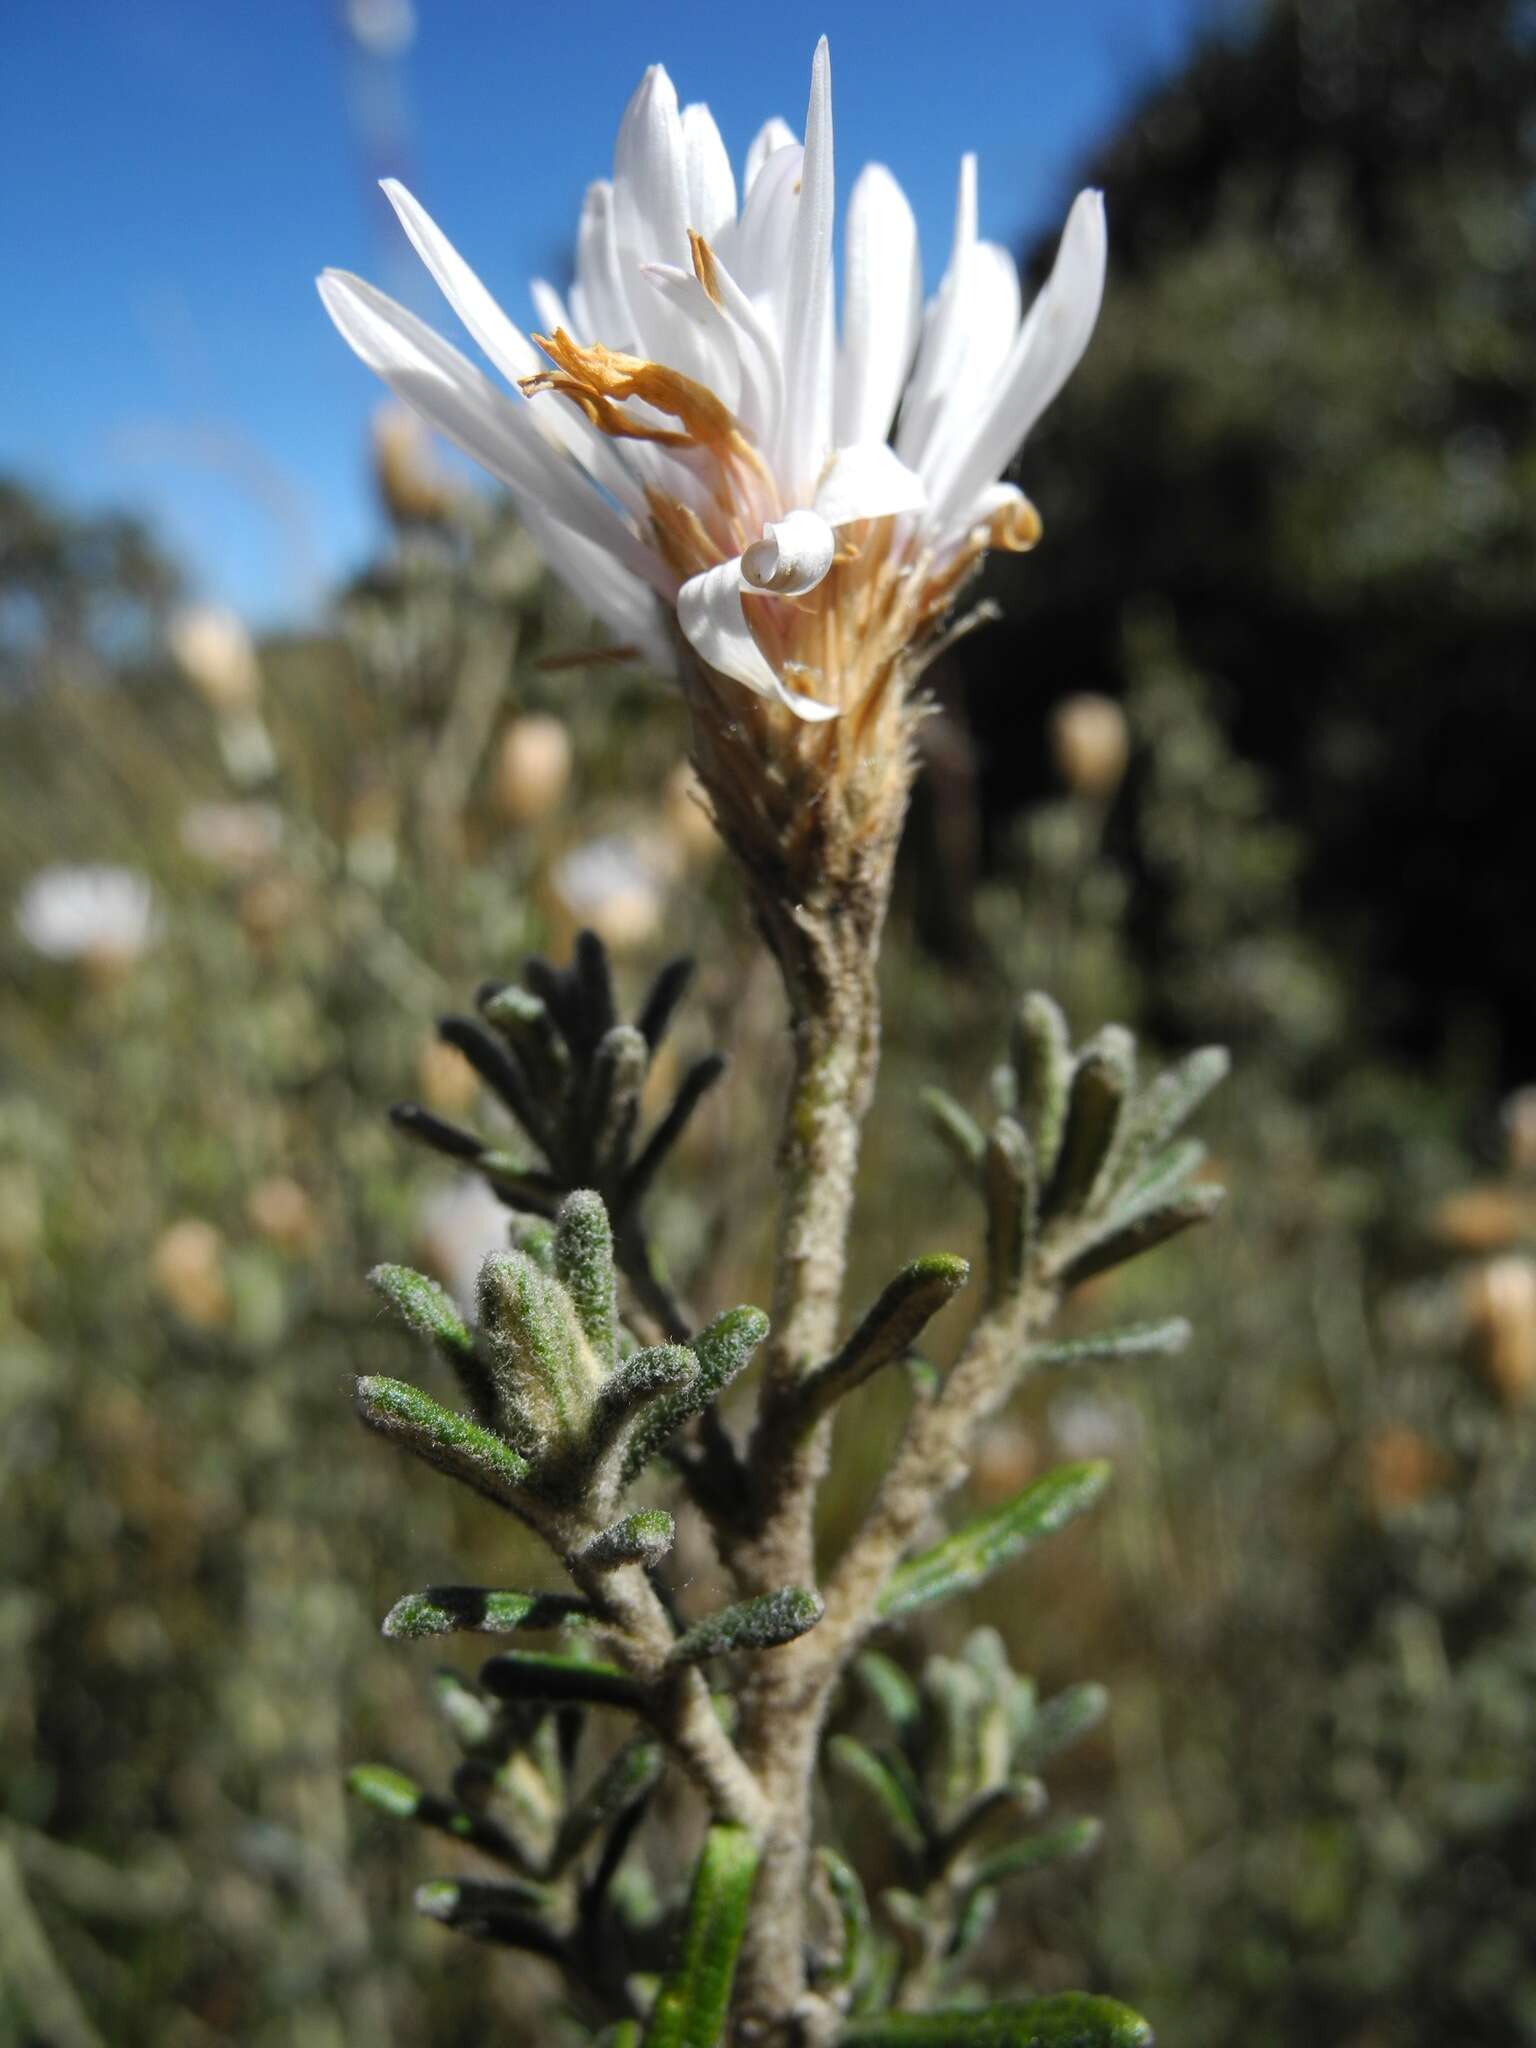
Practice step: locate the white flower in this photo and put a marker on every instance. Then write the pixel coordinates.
(77, 913)
(698, 437)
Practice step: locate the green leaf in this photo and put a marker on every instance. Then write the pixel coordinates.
(760, 1624)
(391, 1792)
(963, 1560)
(891, 1690)
(1134, 1340)
(440, 1610)
(960, 1133)
(519, 1016)
(1072, 2019)
(628, 1778)
(472, 1720)
(1008, 1183)
(647, 1380)
(584, 1262)
(427, 1311)
(691, 2008)
(853, 1914)
(1177, 1093)
(1063, 1719)
(1060, 1844)
(1101, 1085)
(545, 1370)
(1137, 1231)
(509, 1914)
(453, 1443)
(525, 1675)
(887, 1332)
(874, 1775)
(723, 1350)
(612, 1108)
(1042, 1064)
(644, 1537)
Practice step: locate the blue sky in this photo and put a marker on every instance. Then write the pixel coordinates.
(175, 172)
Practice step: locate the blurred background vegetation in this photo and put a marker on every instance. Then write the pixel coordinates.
(1247, 758)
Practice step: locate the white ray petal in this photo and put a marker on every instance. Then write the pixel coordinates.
(774, 134)
(715, 626)
(717, 333)
(497, 431)
(792, 557)
(868, 481)
(1056, 331)
(549, 306)
(503, 341)
(600, 274)
(805, 432)
(711, 181)
(758, 248)
(650, 177)
(882, 306)
(970, 350)
(621, 601)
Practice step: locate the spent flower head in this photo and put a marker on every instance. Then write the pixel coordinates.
(689, 437)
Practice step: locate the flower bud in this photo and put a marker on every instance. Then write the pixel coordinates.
(279, 1210)
(1501, 1320)
(533, 768)
(1091, 744)
(214, 652)
(187, 1265)
(413, 487)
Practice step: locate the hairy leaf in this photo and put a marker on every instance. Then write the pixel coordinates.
(994, 1539)
(691, 2007)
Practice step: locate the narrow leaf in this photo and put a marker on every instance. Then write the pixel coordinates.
(440, 1610)
(853, 1914)
(1071, 1839)
(692, 1089)
(1072, 2019)
(462, 1448)
(760, 1624)
(593, 976)
(584, 1262)
(888, 1331)
(524, 1675)
(1134, 1340)
(629, 1777)
(391, 1792)
(523, 1020)
(723, 1350)
(612, 1106)
(962, 1561)
(1142, 1232)
(1177, 1093)
(959, 1132)
(660, 1005)
(691, 2008)
(875, 1776)
(1063, 1719)
(1042, 1064)
(500, 1070)
(643, 1537)
(507, 1914)
(1101, 1084)
(654, 1378)
(1009, 1185)
(891, 1690)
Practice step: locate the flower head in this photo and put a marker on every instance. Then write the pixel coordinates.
(84, 913)
(689, 436)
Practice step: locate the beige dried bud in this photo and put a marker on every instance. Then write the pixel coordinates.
(1501, 1325)
(187, 1265)
(448, 1083)
(413, 487)
(267, 908)
(1401, 1468)
(279, 1210)
(1005, 1459)
(1483, 1219)
(533, 767)
(1091, 744)
(214, 652)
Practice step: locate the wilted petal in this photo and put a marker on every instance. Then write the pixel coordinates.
(715, 626)
(792, 557)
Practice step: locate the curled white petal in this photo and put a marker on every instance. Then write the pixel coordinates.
(792, 557)
(869, 481)
(715, 626)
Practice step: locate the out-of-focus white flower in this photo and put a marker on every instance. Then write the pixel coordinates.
(697, 439)
(214, 652)
(234, 836)
(87, 913)
(617, 886)
(459, 1227)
